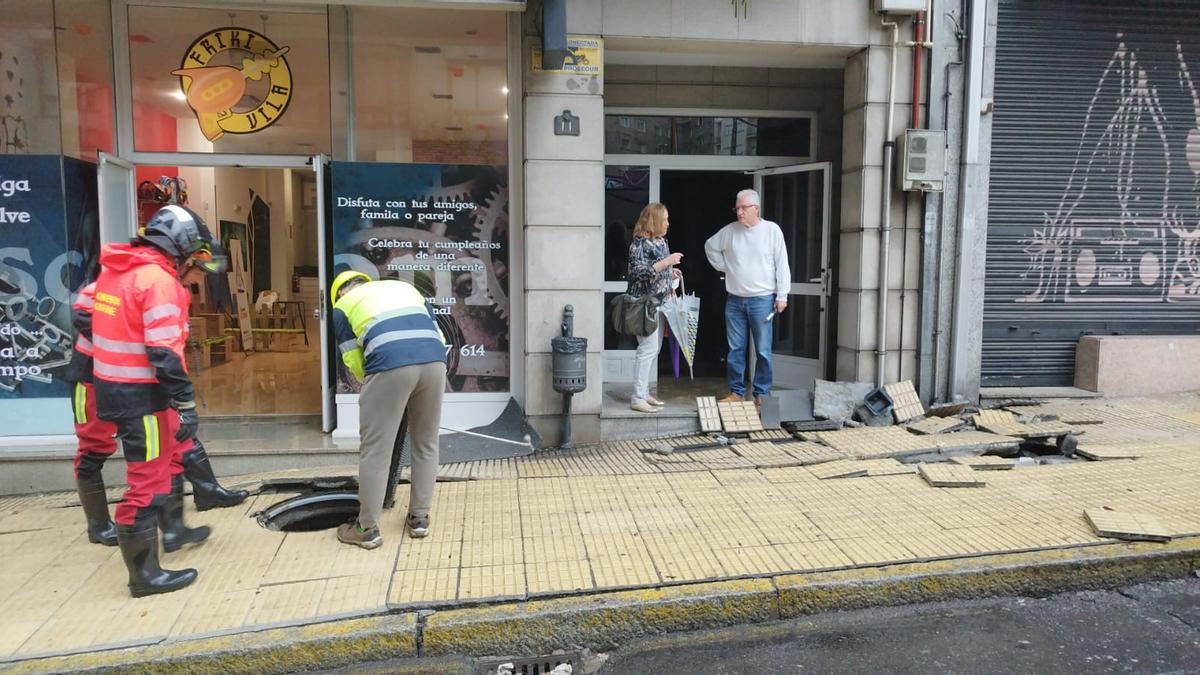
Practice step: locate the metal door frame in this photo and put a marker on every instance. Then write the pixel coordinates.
(787, 365)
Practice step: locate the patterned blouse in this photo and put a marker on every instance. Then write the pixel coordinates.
(643, 280)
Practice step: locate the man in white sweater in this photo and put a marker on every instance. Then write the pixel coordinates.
(751, 253)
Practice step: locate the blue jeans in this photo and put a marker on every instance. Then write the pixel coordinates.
(746, 316)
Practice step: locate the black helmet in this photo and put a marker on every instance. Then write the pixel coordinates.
(182, 234)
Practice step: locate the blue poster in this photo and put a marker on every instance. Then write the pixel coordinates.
(444, 229)
(38, 273)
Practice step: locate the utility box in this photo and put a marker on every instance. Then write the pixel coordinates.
(899, 6)
(921, 156)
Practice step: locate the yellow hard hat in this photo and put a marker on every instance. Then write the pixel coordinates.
(341, 279)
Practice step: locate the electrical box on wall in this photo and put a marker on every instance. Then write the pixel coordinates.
(899, 6)
(921, 159)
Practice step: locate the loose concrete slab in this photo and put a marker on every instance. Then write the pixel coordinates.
(935, 425)
(950, 475)
(906, 405)
(1127, 525)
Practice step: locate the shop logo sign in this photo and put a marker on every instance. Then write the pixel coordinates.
(244, 97)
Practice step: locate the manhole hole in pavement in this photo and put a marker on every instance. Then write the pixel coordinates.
(311, 512)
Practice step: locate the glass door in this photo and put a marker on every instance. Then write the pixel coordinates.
(797, 198)
(118, 199)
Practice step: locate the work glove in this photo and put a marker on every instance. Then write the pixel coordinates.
(189, 419)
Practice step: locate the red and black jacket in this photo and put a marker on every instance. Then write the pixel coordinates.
(139, 328)
(80, 367)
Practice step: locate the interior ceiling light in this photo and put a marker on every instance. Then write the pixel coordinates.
(504, 90)
(176, 94)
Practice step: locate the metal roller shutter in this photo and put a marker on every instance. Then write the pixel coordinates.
(1094, 208)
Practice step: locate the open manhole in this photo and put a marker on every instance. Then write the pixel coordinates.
(322, 510)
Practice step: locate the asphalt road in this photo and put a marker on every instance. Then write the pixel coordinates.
(1151, 628)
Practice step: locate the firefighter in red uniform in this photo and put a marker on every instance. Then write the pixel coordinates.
(139, 325)
(96, 436)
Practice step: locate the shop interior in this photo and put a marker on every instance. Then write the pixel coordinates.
(254, 345)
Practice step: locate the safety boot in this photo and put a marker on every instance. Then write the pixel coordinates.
(170, 519)
(139, 548)
(207, 493)
(100, 527)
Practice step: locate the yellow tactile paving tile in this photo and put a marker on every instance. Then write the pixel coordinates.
(284, 603)
(620, 560)
(557, 576)
(540, 550)
(354, 594)
(419, 586)
(214, 613)
(429, 553)
(499, 550)
(813, 555)
(496, 581)
(682, 557)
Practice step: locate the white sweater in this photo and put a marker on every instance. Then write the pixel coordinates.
(753, 259)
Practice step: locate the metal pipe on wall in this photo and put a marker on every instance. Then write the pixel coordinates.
(885, 221)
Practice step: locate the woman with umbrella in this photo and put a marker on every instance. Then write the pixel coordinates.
(651, 272)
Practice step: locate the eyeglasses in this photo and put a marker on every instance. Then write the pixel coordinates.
(739, 209)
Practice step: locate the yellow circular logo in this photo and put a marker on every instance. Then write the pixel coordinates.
(236, 80)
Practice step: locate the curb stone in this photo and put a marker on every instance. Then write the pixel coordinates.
(602, 621)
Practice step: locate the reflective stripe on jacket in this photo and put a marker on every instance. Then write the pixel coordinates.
(140, 307)
(80, 367)
(383, 325)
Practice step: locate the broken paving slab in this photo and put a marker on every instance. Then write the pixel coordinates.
(739, 416)
(946, 409)
(974, 442)
(1127, 525)
(985, 462)
(809, 453)
(837, 400)
(875, 442)
(1067, 414)
(843, 468)
(1005, 423)
(886, 467)
(710, 417)
(936, 425)
(906, 405)
(950, 475)
(1099, 453)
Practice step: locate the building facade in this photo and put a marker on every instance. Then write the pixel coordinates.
(425, 140)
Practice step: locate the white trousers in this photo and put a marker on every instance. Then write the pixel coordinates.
(645, 359)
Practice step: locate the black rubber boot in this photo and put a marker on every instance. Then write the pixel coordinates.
(170, 519)
(100, 527)
(139, 548)
(206, 491)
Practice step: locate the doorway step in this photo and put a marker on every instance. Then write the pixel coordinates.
(618, 422)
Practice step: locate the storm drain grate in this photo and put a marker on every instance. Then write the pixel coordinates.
(533, 665)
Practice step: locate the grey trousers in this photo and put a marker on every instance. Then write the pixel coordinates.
(381, 406)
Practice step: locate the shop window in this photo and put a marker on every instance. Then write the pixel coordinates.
(727, 136)
(210, 80)
(29, 117)
(626, 193)
(85, 77)
(430, 86)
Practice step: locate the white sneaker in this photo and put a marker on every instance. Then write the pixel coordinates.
(655, 402)
(642, 406)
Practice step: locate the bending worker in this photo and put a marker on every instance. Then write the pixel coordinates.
(139, 326)
(388, 339)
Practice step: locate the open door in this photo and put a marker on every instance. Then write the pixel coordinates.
(117, 199)
(320, 165)
(797, 198)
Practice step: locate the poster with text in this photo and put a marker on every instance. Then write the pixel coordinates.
(48, 248)
(444, 229)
